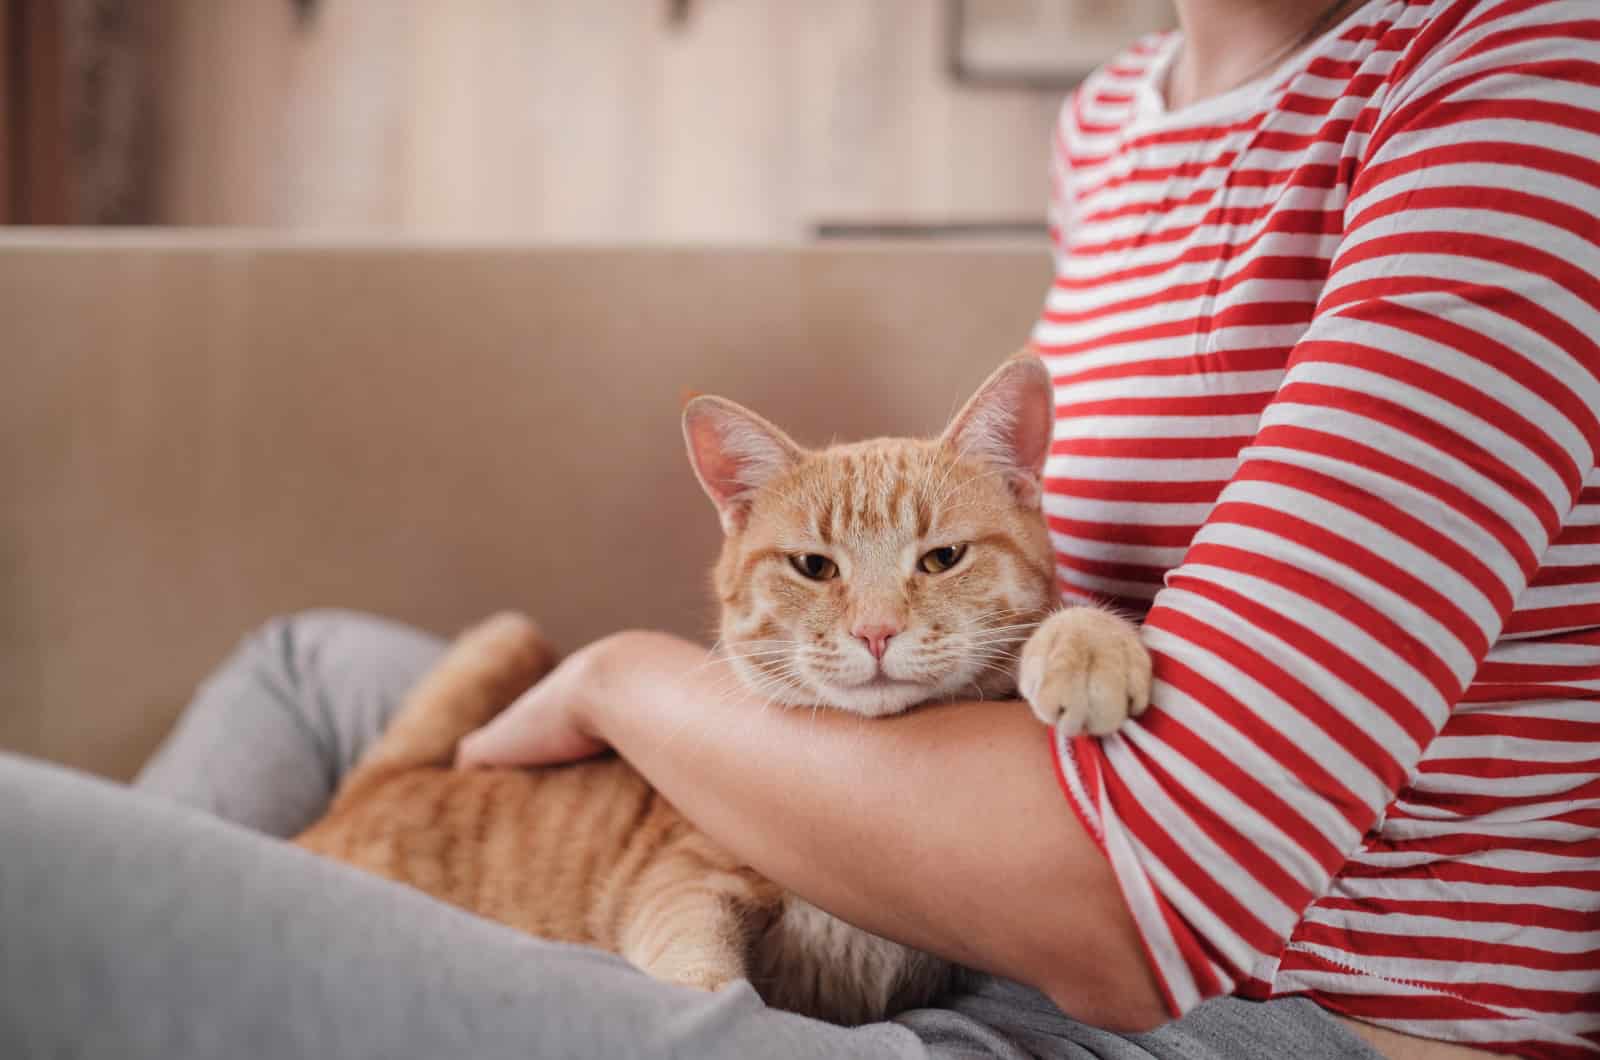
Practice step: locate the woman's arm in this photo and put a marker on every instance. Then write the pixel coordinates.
(943, 828)
(1434, 427)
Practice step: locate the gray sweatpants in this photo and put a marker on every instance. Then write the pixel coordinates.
(169, 922)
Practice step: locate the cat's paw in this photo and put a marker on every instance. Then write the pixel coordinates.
(1086, 669)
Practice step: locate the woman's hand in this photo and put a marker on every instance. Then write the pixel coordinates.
(558, 719)
(914, 827)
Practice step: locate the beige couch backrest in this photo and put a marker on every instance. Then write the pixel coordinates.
(197, 434)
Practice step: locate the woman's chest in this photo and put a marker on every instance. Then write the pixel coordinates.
(1187, 272)
(1201, 248)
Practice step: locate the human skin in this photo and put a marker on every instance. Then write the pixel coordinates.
(916, 827)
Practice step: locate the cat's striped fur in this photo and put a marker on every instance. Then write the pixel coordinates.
(834, 593)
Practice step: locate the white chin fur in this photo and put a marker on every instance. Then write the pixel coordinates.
(876, 701)
(869, 701)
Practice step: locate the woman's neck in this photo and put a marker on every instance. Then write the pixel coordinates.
(1229, 42)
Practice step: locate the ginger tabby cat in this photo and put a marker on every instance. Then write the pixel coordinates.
(869, 578)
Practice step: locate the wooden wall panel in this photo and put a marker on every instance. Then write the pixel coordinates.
(9, 71)
(586, 120)
(37, 184)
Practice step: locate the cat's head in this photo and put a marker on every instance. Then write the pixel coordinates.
(875, 576)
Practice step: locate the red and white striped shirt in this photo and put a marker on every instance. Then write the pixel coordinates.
(1325, 353)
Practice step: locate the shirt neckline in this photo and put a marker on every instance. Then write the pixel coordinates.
(1150, 104)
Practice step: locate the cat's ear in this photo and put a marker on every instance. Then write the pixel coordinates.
(1008, 422)
(734, 453)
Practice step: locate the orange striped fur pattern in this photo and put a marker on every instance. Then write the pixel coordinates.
(869, 578)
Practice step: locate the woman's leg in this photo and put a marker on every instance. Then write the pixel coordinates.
(140, 929)
(270, 733)
(137, 928)
(1008, 1021)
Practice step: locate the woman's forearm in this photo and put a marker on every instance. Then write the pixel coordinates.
(943, 828)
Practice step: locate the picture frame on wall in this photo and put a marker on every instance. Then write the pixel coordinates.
(1049, 45)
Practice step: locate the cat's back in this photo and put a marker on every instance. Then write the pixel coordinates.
(554, 852)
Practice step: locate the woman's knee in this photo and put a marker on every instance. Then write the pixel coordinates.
(268, 735)
(343, 672)
(328, 643)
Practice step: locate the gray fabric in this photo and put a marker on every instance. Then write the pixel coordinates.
(135, 928)
(270, 733)
(996, 1018)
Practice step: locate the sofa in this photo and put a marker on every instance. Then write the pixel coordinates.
(201, 430)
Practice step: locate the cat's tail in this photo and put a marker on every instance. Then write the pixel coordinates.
(486, 668)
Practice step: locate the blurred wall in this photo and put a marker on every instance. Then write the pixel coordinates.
(583, 119)
(200, 430)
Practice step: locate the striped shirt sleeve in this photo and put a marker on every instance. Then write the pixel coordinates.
(1431, 434)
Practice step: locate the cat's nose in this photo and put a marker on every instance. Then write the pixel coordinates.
(875, 637)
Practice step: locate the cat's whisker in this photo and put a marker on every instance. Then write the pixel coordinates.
(1019, 633)
(943, 503)
(993, 648)
(711, 659)
(759, 684)
(769, 643)
(991, 653)
(988, 642)
(765, 673)
(865, 502)
(768, 682)
(998, 663)
(995, 622)
(765, 653)
(997, 611)
(935, 495)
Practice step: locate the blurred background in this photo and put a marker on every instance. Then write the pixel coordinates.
(390, 304)
(546, 120)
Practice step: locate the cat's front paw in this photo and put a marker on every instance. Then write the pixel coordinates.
(1086, 669)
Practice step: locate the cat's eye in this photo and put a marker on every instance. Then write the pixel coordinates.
(941, 559)
(817, 568)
